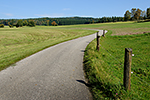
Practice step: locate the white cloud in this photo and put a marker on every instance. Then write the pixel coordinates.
(56, 15)
(83, 15)
(66, 9)
(51, 15)
(8, 14)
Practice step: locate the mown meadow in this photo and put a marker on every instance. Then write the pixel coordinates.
(18, 43)
(104, 69)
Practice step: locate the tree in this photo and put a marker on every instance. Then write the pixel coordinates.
(54, 23)
(133, 11)
(137, 14)
(143, 14)
(1, 25)
(31, 23)
(25, 23)
(19, 23)
(47, 22)
(12, 22)
(148, 13)
(127, 15)
(10, 25)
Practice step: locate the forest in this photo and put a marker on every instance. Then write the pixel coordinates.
(133, 15)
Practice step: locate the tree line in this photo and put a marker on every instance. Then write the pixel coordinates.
(49, 21)
(135, 14)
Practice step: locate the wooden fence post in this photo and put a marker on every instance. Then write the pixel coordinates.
(98, 40)
(103, 33)
(127, 68)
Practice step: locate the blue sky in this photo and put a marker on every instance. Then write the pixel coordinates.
(18, 9)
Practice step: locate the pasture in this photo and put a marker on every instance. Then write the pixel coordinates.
(104, 69)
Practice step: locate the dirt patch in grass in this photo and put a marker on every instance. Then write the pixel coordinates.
(130, 31)
(124, 33)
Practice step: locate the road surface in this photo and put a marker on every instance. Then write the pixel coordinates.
(55, 73)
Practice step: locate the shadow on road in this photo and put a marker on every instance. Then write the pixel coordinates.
(82, 50)
(83, 82)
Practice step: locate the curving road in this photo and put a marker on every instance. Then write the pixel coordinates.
(55, 73)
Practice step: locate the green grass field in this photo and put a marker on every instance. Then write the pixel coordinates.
(119, 28)
(104, 69)
(18, 43)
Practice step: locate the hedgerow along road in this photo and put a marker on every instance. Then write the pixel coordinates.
(55, 73)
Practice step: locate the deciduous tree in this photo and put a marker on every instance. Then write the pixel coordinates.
(19, 23)
(47, 22)
(31, 23)
(137, 14)
(148, 13)
(1, 25)
(25, 23)
(143, 14)
(54, 23)
(127, 15)
(133, 11)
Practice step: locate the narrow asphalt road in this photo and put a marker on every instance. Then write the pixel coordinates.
(55, 73)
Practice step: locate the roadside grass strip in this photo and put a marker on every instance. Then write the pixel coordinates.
(104, 69)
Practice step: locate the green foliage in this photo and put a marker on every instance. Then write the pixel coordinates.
(127, 15)
(11, 26)
(133, 11)
(110, 19)
(1, 25)
(11, 23)
(64, 21)
(104, 69)
(47, 23)
(135, 14)
(25, 23)
(19, 23)
(148, 13)
(31, 23)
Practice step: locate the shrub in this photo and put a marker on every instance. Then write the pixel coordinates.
(25, 23)
(1, 25)
(31, 23)
(17, 25)
(11, 26)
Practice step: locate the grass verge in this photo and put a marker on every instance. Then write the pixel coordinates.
(104, 69)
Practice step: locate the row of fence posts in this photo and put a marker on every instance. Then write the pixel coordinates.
(127, 62)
